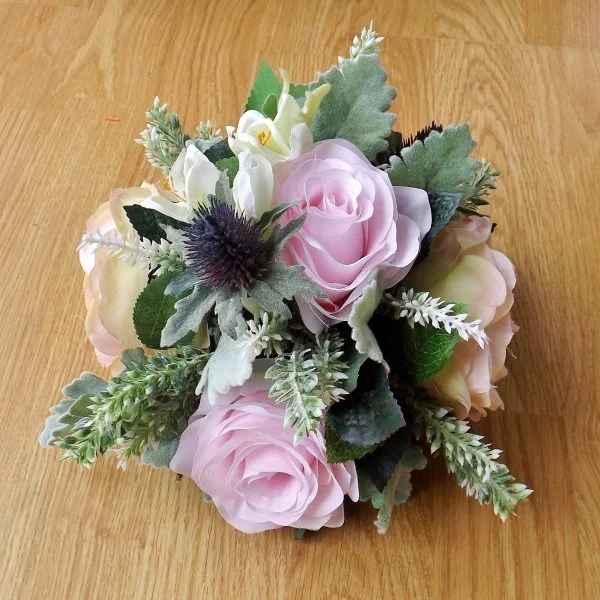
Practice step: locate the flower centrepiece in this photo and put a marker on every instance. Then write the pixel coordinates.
(298, 309)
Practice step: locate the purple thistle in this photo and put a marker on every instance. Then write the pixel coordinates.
(224, 248)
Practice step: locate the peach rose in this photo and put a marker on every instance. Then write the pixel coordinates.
(462, 267)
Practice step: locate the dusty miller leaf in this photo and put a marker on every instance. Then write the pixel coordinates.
(441, 163)
(229, 366)
(360, 315)
(160, 455)
(182, 282)
(229, 312)
(443, 206)
(188, 315)
(356, 107)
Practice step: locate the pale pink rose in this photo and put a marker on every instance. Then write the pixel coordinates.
(111, 286)
(462, 267)
(243, 457)
(355, 222)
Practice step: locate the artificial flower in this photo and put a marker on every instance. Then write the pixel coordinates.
(191, 180)
(111, 286)
(462, 267)
(281, 138)
(240, 453)
(355, 223)
(253, 185)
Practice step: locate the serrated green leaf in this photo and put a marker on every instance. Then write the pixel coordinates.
(340, 451)
(360, 315)
(148, 223)
(439, 164)
(231, 165)
(424, 350)
(188, 315)
(356, 107)
(160, 456)
(266, 84)
(152, 310)
(370, 414)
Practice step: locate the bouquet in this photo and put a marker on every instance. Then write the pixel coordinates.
(301, 311)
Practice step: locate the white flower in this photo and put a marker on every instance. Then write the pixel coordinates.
(286, 136)
(191, 180)
(253, 185)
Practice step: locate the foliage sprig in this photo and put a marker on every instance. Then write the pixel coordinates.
(308, 381)
(150, 401)
(472, 462)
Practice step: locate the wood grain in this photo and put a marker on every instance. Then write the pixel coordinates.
(525, 73)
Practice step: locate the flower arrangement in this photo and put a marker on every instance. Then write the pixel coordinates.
(298, 312)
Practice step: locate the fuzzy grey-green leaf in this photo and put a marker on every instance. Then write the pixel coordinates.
(441, 163)
(356, 107)
(188, 315)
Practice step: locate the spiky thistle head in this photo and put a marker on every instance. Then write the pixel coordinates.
(225, 248)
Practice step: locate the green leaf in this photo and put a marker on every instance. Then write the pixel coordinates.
(356, 361)
(219, 151)
(148, 222)
(229, 366)
(188, 315)
(265, 85)
(152, 310)
(282, 283)
(340, 451)
(360, 315)
(443, 206)
(161, 454)
(441, 163)
(398, 449)
(281, 235)
(231, 165)
(229, 312)
(356, 107)
(270, 216)
(269, 107)
(424, 350)
(370, 414)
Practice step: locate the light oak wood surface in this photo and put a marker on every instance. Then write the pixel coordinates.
(525, 73)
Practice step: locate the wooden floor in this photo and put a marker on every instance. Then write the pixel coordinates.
(75, 78)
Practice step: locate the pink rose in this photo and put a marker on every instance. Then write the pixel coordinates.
(462, 267)
(355, 222)
(243, 457)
